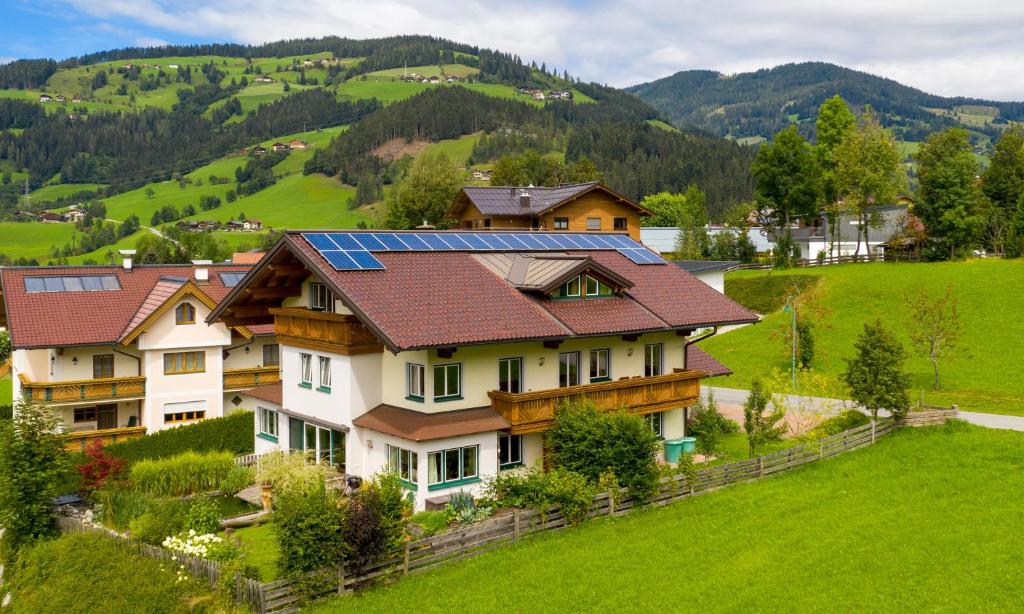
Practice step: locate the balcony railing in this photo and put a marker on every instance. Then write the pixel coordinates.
(530, 412)
(79, 440)
(318, 330)
(239, 379)
(73, 391)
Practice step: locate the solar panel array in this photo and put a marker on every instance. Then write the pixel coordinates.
(354, 251)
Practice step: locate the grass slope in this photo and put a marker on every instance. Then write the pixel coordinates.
(893, 527)
(5, 390)
(33, 239)
(978, 376)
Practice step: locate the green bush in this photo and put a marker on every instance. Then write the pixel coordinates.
(118, 505)
(203, 516)
(844, 421)
(586, 441)
(432, 522)
(232, 433)
(163, 520)
(185, 474)
(374, 524)
(309, 524)
(539, 490)
(238, 479)
(92, 573)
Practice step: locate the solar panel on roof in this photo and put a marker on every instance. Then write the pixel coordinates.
(414, 242)
(344, 241)
(435, 242)
(369, 241)
(547, 241)
(456, 241)
(494, 241)
(365, 259)
(531, 241)
(586, 241)
(392, 242)
(515, 241)
(475, 242)
(340, 260)
(602, 241)
(320, 241)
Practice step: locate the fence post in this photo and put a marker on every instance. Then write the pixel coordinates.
(341, 579)
(760, 466)
(515, 524)
(611, 502)
(238, 588)
(405, 560)
(872, 430)
(821, 449)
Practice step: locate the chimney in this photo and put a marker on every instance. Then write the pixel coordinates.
(202, 273)
(426, 225)
(126, 262)
(524, 199)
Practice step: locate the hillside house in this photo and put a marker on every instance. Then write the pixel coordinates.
(298, 144)
(122, 350)
(442, 355)
(815, 235)
(233, 225)
(50, 218)
(262, 79)
(586, 207)
(76, 99)
(279, 146)
(258, 150)
(434, 80)
(481, 175)
(74, 215)
(60, 98)
(45, 98)
(560, 95)
(452, 79)
(252, 225)
(662, 239)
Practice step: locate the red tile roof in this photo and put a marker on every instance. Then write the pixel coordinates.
(270, 393)
(420, 426)
(699, 360)
(162, 291)
(431, 299)
(59, 319)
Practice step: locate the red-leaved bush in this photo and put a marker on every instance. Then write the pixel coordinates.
(99, 466)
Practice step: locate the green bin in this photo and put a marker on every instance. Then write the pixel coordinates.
(673, 450)
(689, 444)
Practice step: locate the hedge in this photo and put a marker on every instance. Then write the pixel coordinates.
(233, 433)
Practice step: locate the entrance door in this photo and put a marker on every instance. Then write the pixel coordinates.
(106, 417)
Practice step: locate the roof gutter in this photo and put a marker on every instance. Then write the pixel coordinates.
(689, 342)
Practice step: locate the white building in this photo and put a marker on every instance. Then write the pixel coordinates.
(662, 239)
(442, 355)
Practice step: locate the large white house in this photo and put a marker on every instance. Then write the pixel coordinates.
(442, 355)
(123, 350)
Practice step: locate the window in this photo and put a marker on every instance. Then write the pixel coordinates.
(593, 223)
(325, 374)
(102, 366)
(620, 223)
(570, 288)
(510, 375)
(320, 298)
(510, 451)
(85, 414)
(655, 421)
(568, 369)
(271, 355)
(184, 362)
(185, 313)
(268, 423)
(322, 443)
(230, 280)
(653, 359)
(184, 416)
(447, 382)
(88, 283)
(306, 370)
(453, 467)
(414, 384)
(561, 223)
(404, 463)
(487, 222)
(596, 287)
(599, 365)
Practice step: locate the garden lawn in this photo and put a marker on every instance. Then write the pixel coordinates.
(6, 392)
(980, 375)
(892, 527)
(259, 548)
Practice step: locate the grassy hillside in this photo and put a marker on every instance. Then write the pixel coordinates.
(895, 527)
(977, 376)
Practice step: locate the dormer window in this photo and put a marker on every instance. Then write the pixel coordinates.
(595, 287)
(583, 286)
(570, 289)
(185, 313)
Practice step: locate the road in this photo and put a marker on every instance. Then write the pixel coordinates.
(736, 397)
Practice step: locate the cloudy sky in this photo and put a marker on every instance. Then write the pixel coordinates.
(961, 48)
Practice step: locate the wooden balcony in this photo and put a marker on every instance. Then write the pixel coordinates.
(77, 441)
(530, 412)
(243, 379)
(330, 332)
(85, 390)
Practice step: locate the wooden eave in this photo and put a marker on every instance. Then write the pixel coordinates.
(619, 198)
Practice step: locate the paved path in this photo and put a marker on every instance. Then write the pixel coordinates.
(733, 397)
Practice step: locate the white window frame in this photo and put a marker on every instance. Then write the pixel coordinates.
(649, 366)
(415, 381)
(504, 369)
(395, 457)
(306, 369)
(268, 421)
(448, 394)
(320, 297)
(325, 373)
(442, 481)
(656, 421)
(607, 365)
(567, 383)
(514, 446)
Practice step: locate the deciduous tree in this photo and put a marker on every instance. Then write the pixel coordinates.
(835, 123)
(948, 197)
(787, 180)
(936, 326)
(426, 194)
(762, 426)
(875, 375)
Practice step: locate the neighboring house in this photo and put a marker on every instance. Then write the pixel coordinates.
(452, 79)
(60, 98)
(45, 98)
(662, 239)
(813, 236)
(76, 99)
(74, 215)
(590, 207)
(560, 94)
(258, 150)
(481, 175)
(50, 218)
(442, 355)
(121, 350)
(233, 225)
(252, 225)
(298, 144)
(711, 272)
(263, 79)
(279, 146)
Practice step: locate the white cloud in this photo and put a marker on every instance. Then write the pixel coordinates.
(942, 46)
(148, 41)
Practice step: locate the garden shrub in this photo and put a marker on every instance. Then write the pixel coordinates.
(539, 490)
(588, 442)
(202, 545)
(185, 474)
(432, 522)
(98, 466)
(231, 434)
(119, 504)
(463, 509)
(309, 524)
(203, 516)
(164, 519)
(90, 572)
(238, 479)
(284, 471)
(844, 421)
(375, 524)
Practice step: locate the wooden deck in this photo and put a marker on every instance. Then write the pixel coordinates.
(74, 391)
(531, 412)
(318, 330)
(79, 440)
(242, 379)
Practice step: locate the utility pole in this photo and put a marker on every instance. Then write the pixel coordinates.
(791, 309)
(28, 198)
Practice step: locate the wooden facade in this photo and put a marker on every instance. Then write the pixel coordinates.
(531, 412)
(243, 379)
(72, 391)
(318, 330)
(78, 441)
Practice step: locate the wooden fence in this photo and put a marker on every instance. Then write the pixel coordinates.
(287, 595)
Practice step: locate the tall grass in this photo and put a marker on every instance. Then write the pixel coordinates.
(121, 505)
(185, 474)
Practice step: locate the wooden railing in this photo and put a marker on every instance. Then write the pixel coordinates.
(69, 391)
(238, 379)
(317, 330)
(530, 412)
(79, 440)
